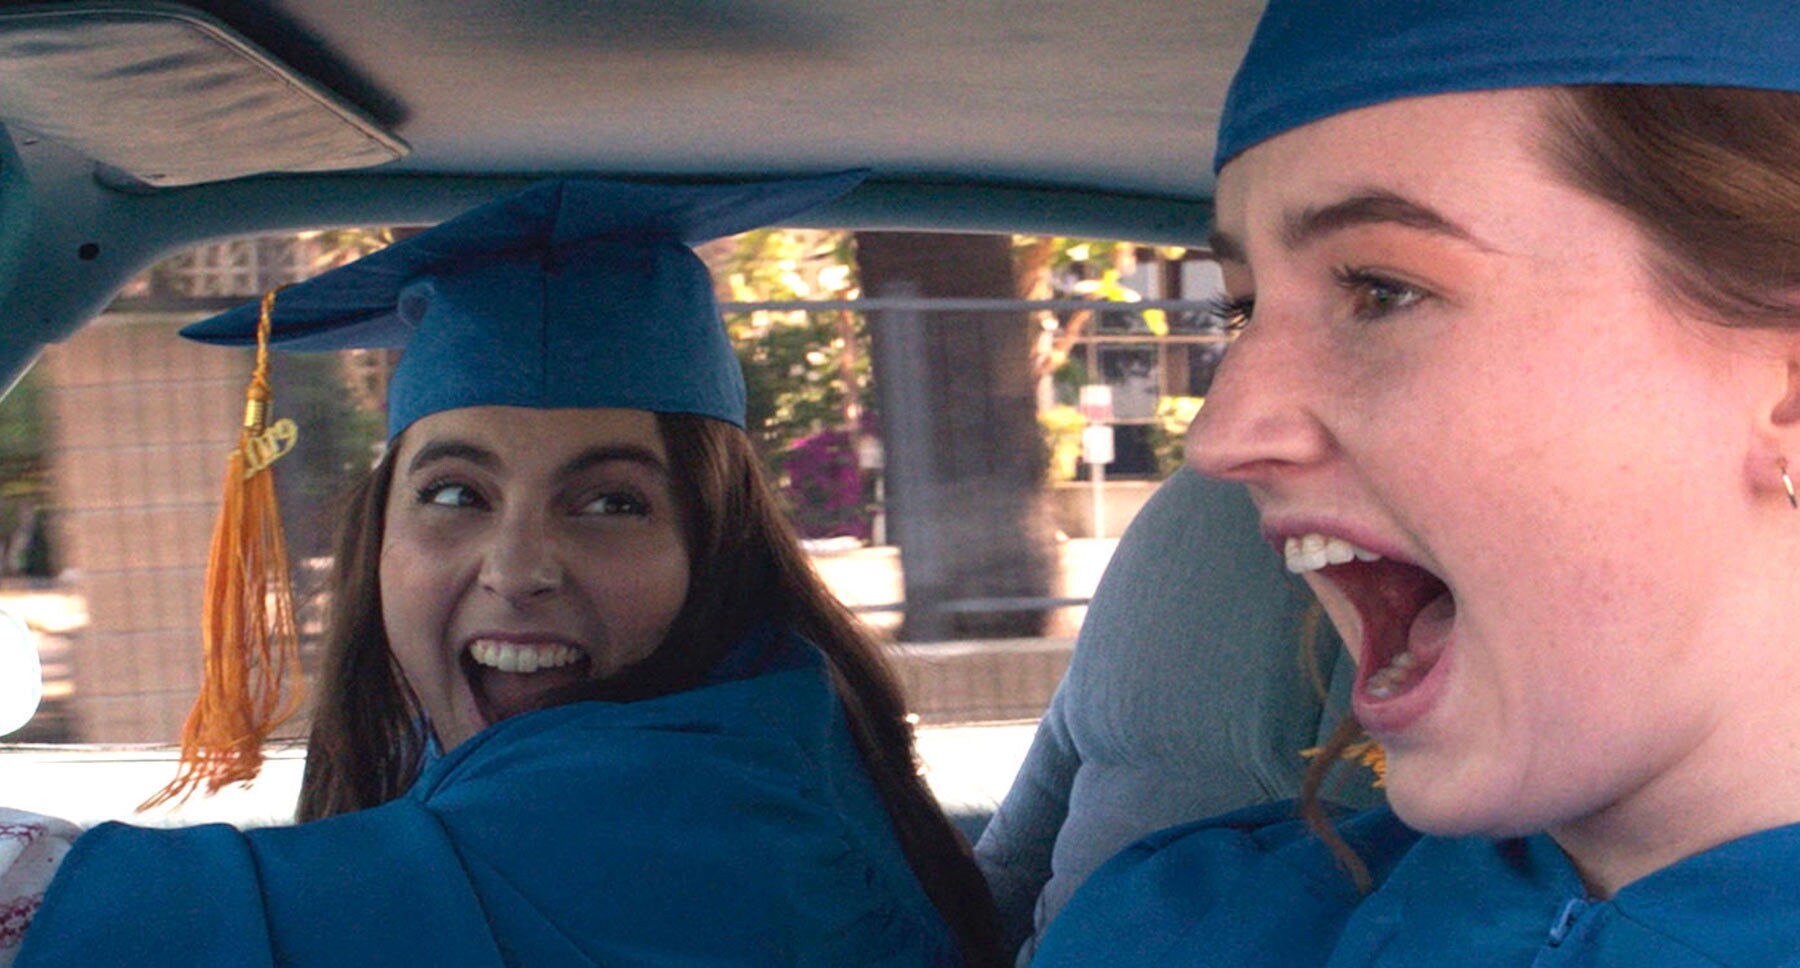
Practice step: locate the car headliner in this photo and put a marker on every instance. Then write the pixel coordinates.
(1086, 118)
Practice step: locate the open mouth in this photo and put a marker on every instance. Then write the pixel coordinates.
(508, 678)
(1406, 611)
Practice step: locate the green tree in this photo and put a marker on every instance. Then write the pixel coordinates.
(804, 371)
(24, 482)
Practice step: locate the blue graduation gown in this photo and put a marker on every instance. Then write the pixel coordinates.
(731, 824)
(1256, 888)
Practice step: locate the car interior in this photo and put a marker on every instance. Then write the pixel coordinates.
(134, 129)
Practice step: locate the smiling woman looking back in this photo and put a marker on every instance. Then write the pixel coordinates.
(1517, 390)
(526, 552)
(582, 699)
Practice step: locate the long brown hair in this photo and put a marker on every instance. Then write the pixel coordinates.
(745, 568)
(1711, 177)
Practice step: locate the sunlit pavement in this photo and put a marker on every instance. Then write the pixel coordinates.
(969, 767)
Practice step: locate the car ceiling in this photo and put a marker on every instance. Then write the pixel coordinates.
(1086, 118)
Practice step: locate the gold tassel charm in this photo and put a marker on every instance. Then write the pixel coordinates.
(251, 682)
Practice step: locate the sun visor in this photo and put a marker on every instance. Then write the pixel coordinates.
(172, 96)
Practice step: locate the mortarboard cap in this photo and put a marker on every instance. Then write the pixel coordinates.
(1311, 59)
(571, 293)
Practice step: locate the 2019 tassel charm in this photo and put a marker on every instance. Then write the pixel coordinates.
(251, 681)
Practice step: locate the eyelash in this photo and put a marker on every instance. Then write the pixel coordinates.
(633, 503)
(1230, 313)
(1233, 313)
(429, 493)
(1376, 296)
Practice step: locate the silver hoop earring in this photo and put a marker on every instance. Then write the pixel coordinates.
(1787, 484)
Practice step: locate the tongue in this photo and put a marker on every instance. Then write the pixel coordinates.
(504, 694)
(1429, 633)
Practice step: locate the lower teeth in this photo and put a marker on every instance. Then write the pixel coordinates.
(1389, 679)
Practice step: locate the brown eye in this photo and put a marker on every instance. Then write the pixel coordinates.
(1373, 296)
(615, 504)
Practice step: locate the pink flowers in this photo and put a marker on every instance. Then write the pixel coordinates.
(824, 486)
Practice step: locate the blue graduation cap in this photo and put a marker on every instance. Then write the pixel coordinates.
(1311, 59)
(571, 293)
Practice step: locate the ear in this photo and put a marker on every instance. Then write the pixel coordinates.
(1786, 413)
(1779, 432)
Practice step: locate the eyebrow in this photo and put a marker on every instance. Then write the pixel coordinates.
(1372, 207)
(633, 453)
(453, 449)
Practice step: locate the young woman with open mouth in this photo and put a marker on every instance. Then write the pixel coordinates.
(1516, 389)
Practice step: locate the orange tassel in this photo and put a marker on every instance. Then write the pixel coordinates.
(251, 639)
(1367, 752)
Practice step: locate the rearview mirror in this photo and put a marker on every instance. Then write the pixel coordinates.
(21, 676)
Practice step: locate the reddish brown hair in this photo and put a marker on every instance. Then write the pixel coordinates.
(1711, 176)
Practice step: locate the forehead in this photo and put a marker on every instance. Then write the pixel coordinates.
(1465, 152)
(525, 434)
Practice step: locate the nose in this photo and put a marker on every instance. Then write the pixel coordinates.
(1261, 417)
(520, 563)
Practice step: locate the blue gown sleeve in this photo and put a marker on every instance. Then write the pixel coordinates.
(137, 892)
(1253, 887)
(211, 895)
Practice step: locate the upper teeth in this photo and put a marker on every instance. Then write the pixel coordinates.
(1311, 552)
(516, 657)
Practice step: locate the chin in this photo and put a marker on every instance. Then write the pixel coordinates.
(1440, 803)
(1447, 816)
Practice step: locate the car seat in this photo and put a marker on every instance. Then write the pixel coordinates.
(1189, 694)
